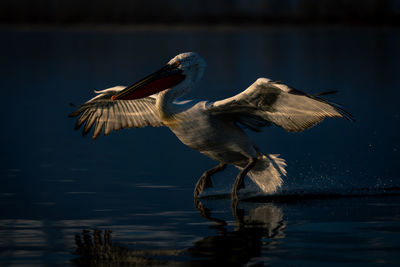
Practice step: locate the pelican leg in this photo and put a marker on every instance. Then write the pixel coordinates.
(237, 213)
(205, 180)
(239, 182)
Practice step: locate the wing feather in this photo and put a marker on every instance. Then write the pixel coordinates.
(99, 122)
(82, 119)
(138, 113)
(132, 110)
(88, 123)
(123, 115)
(105, 118)
(129, 117)
(146, 112)
(101, 113)
(152, 112)
(117, 119)
(109, 124)
(279, 104)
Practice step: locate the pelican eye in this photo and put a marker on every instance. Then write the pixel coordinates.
(176, 64)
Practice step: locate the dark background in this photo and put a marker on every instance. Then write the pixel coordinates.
(372, 12)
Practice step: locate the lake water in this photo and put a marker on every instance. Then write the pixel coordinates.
(340, 203)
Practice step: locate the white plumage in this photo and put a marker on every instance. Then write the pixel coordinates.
(213, 128)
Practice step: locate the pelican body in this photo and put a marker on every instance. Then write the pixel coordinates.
(213, 128)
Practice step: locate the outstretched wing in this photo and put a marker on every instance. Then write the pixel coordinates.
(113, 115)
(267, 101)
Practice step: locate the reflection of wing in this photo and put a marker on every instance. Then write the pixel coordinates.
(97, 249)
(267, 101)
(102, 112)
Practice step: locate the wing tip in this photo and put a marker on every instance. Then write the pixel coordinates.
(77, 126)
(73, 114)
(85, 132)
(326, 93)
(340, 109)
(342, 112)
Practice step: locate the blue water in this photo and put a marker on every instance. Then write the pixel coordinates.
(343, 204)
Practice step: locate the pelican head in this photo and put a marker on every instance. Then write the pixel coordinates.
(191, 64)
(181, 73)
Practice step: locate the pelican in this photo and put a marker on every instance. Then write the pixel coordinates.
(215, 129)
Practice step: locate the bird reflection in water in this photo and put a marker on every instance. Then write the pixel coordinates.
(255, 229)
(100, 251)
